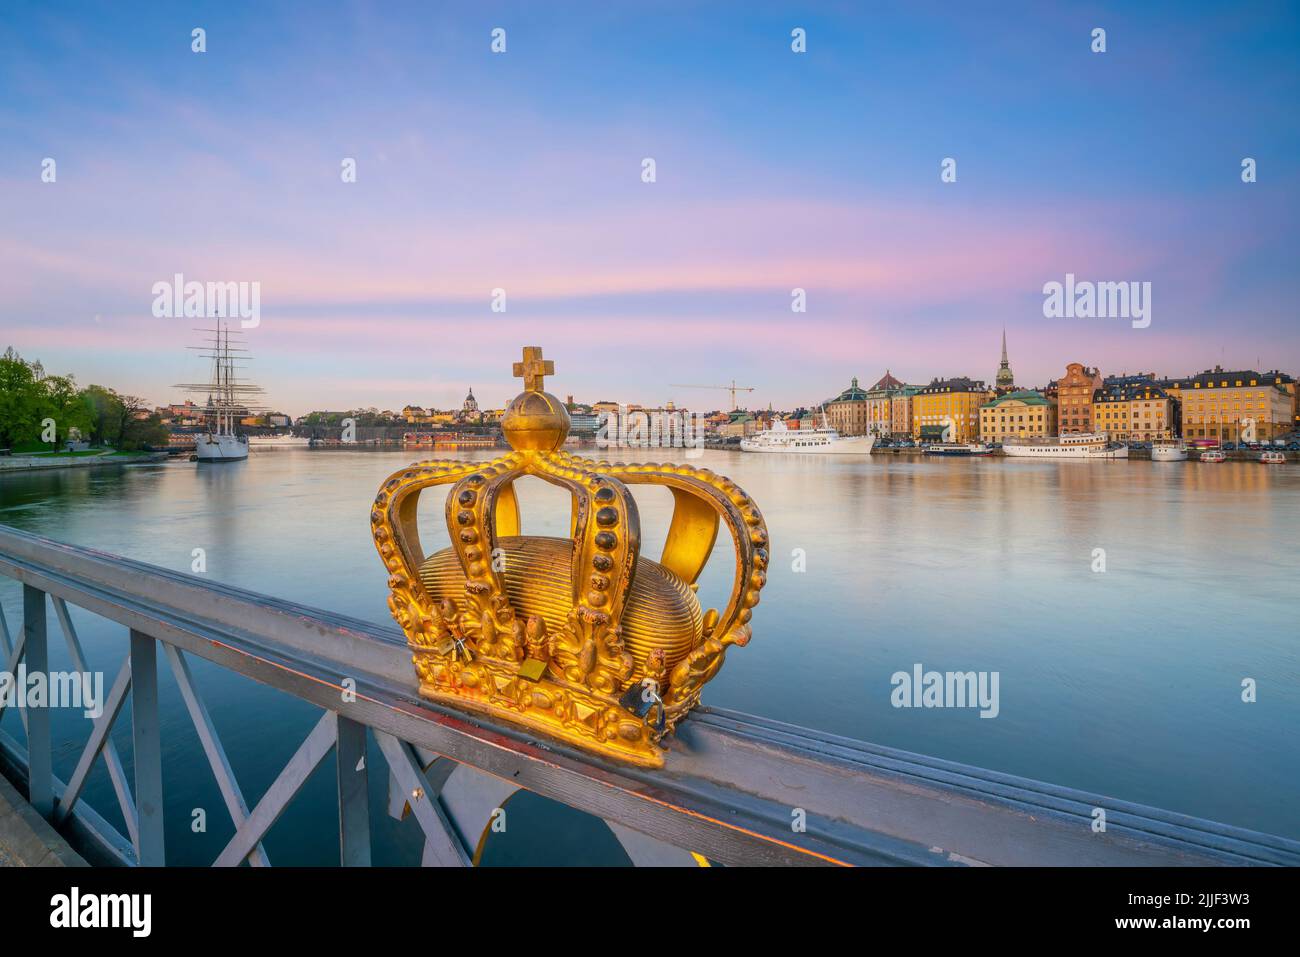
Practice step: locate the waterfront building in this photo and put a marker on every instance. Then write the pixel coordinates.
(1134, 408)
(583, 424)
(181, 414)
(1288, 384)
(716, 421)
(847, 412)
(1125, 379)
(900, 410)
(880, 417)
(800, 418)
(1005, 381)
(739, 424)
(943, 401)
(1218, 404)
(1074, 392)
(1023, 414)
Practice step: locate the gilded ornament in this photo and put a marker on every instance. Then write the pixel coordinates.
(582, 639)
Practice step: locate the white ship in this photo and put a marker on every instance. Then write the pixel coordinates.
(261, 443)
(1168, 450)
(220, 447)
(958, 448)
(1076, 445)
(229, 399)
(820, 441)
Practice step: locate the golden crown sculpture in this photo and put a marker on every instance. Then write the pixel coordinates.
(582, 639)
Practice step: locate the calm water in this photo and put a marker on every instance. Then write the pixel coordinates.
(1126, 682)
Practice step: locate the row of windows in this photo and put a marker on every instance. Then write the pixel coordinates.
(1210, 418)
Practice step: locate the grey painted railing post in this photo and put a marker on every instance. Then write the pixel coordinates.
(150, 849)
(354, 794)
(40, 781)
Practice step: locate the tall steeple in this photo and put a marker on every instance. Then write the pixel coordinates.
(1006, 382)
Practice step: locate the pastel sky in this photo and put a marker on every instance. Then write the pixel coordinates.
(522, 171)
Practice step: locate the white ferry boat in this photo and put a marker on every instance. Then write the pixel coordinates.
(1213, 455)
(1272, 458)
(1074, 445)
(1168, 450)
(821, 441)
(259, 443)
(958, 448)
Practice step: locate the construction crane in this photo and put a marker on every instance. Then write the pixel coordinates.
(733, 389)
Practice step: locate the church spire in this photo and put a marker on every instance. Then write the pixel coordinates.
(1006, 382)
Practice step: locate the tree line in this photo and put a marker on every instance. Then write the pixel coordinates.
(35, 406)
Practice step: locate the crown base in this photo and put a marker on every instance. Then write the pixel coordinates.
(661, 612)
(568, 713)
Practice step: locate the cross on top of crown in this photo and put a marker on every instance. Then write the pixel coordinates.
(533, 368)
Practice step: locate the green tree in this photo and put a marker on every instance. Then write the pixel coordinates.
(28, 397)
(65, 404)
(21, 401)
(147, 432)
(105, 411)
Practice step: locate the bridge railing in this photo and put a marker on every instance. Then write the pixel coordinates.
(736, 789)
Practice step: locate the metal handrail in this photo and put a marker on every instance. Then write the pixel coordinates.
(732, 789)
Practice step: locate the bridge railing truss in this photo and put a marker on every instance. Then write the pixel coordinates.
(736, 788)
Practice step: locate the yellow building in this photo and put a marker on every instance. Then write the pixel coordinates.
(1230, 406)
(945, 402)
(1017, 415)
(880, 411)
(1134, 412)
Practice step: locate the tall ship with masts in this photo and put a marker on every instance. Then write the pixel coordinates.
(230, 397)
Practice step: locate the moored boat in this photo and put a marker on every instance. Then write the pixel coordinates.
(259, 443)
(1073, 445)
(958, 448)
(220, 447)
(1272, 458)
(229, 400)
(1213, 455)
(820, 441)
(1168, 450)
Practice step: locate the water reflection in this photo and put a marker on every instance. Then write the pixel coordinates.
(1125, 682)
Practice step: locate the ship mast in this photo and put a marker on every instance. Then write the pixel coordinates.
(227, 393)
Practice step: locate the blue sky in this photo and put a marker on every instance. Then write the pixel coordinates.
(522, 171)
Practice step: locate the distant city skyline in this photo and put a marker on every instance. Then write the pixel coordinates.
(522, 171)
